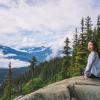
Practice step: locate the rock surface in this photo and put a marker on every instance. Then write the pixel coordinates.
(76, 88)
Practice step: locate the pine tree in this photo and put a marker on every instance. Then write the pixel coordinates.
(75, 44)
(94, 34)
(10, 80)
(8, 84)
(84, 36)
(66, 59)
(81, 51)
(80, 48)
(75, 65)
(88, 28)
(98, 25)
(32, 66)
(98, 31)
(82, 25)
(66, 47)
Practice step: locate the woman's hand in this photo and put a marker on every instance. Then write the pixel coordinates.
(85, 76)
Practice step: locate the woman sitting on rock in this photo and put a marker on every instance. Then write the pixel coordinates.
(92, 69)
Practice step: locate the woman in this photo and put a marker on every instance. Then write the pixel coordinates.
(92, 69)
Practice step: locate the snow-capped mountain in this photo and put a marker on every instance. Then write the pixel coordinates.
(21, 57)
(41, 53)
(25, 54)
(10, 53)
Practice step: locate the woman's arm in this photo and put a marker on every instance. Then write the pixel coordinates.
(91, 59)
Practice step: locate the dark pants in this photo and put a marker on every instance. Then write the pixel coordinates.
(93, 76)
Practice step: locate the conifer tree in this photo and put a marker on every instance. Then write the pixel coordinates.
(66, 59)
(75, 44)
(88, 28)
(80, 48)
(66, 47)
(32, 66)
(82, 25)
(98, 31)
(10, 79)
(8, 84)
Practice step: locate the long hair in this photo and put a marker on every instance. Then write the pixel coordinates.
(95, 47)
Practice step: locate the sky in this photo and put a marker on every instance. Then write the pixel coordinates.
(31, 23)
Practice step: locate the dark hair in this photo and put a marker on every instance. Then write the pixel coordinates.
(96, 48)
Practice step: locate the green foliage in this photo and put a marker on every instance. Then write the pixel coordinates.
(33, 85)
(6, 91)
(57, 77)
(66, 47)
(32, 66)
(50, 69)
(80, 52)
(65, 65)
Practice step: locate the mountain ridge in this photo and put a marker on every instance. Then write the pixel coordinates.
(25, 54)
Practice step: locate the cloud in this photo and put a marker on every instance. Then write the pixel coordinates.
(43, 14)
(26, 23)
(15, 63)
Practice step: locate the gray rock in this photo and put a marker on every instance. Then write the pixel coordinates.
(76, 88)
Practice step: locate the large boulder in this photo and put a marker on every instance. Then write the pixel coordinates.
(76, 88)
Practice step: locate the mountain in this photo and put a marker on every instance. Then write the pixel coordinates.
(40, 53)
(26, 54)
(11, 53)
